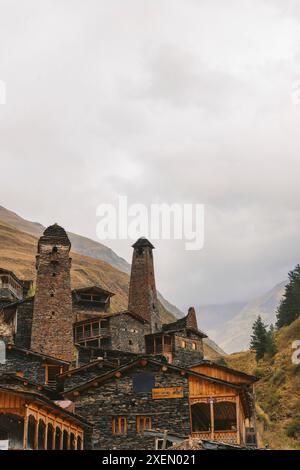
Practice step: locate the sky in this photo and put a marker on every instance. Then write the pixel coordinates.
(170, 101)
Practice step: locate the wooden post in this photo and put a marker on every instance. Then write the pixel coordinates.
(46, 434)
(212, 419)
(25, 430)
(36, 432)
(69, 439)
(164, 444)
(61, 444)
(238, 434)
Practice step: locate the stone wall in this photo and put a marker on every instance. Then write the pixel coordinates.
(32, 367)
(127, 333)
(117, 398)
(186, 356)
(24, 324)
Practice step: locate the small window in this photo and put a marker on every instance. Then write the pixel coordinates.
(143, 383)
(95, 329)
(130, 342)
(51, 372)
(79, 333)
(194, 346)
(143, 423)
(87, 330)
(119, 425)
(183, 344)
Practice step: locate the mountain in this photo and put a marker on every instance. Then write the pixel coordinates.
(84, 246)
(92, 263)
(234, 334)
(277, 391)
(213, 317)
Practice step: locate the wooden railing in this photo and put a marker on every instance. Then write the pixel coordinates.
(229, 437)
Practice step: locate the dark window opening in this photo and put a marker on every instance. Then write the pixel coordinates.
(143, 382)
(225, 416)
(201, 417)
(51, 372)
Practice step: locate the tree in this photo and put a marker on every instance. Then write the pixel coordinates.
(271, 348)
(259, 338)
(289, 308)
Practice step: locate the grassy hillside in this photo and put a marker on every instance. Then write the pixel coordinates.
(277, 392)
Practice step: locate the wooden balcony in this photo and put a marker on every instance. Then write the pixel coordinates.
(228, 437)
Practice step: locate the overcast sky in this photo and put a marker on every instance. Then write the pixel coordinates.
(174, 101)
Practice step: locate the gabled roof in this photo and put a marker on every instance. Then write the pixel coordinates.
(23, 383)
(29, 352)
(94, 289)
(189, 323)
(104, 315)
(12, 274)
(143, 361)
(205, 362)
(89, 365)
(42, 399)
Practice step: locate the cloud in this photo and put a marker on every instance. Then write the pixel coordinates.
(185, 102)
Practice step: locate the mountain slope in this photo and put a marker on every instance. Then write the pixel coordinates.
(236, 332)
(84, 246)
(278, 390)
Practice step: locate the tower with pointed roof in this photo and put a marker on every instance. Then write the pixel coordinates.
(142, 289)
(52, 323)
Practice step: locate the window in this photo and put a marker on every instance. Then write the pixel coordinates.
(194, 346)
(51, 372)
(201, 417)
(143, 423)
(119, 425)
(183, 344)
(130, 342)
(79, 333)
(95, 329)
(87, 330)
(143, 383)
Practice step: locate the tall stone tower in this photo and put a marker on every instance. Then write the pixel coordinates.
(52, 323)
(142, 290)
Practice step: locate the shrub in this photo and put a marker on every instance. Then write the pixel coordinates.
(278, 377)
(293, 428)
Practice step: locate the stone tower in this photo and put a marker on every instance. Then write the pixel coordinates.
(142, 290)
(52, 323)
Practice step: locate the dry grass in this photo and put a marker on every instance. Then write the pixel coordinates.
(278, 390)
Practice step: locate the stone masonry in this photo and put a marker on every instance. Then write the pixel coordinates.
(142, 289)
(52, 324)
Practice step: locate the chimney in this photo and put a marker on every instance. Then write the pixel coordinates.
(142, 290)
